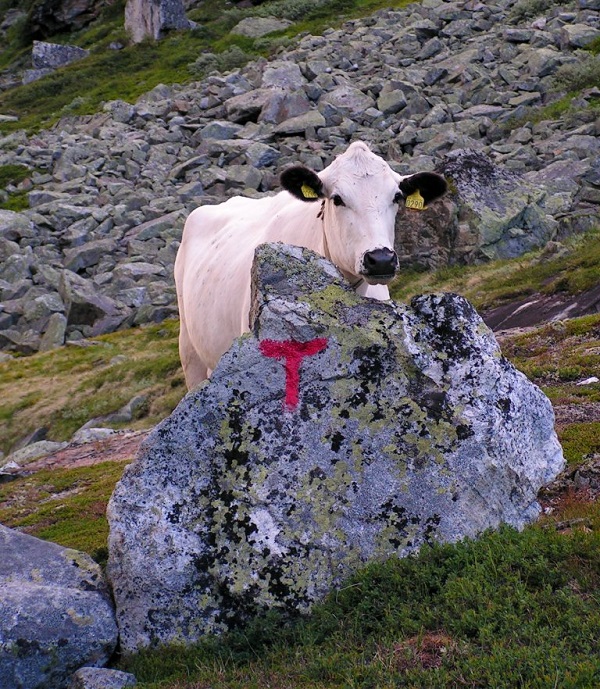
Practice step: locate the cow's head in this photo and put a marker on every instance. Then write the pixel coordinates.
(360, 195)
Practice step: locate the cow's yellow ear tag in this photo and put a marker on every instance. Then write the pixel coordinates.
(415, 201)
(308, 192)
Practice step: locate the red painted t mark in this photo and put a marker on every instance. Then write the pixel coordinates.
(293, 352)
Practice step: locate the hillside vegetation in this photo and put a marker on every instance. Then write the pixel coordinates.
(136, 69)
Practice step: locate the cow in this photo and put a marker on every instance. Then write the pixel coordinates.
(346, 213)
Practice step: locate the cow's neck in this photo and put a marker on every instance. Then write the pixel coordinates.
(300, 224)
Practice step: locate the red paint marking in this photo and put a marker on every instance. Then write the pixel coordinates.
(293, 352)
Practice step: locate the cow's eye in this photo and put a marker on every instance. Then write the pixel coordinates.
(399, 197)
(338, 200)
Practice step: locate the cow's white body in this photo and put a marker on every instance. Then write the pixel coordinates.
(213, 265)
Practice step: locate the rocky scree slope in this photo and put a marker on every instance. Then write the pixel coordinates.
(108, 194)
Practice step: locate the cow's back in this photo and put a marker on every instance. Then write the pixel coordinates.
(213, 271)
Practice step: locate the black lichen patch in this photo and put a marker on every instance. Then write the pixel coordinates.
(450, 319)
(336, 441)
(373, 365)
(174, 516)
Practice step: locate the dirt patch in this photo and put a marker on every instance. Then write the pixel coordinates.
(580, 485)
(567, 414)
(121, 447)
(425, 651)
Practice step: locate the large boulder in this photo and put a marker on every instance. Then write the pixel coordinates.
(341, 430)
(56, 613)
(52, 55)
(50, 17)
(153, 18)
(500, 213)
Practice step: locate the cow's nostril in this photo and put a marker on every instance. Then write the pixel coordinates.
(380, 262)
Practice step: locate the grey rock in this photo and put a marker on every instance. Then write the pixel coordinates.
(120, 110)
(349, 100)
(25, 341)
(52, 55)
(313, 119)
(84, 304)
(41, 306)
(246, 176)
(219, 129)
(33, 437)
(91, 435)
(504, 207)
(391, 102)
(88, 254)
(14, 226)
(34, 451)
(434, 237)
(407, 427)
(260, 155)
(437, 115)
(578, 35)
(255, 27)
(54, 334)
(16, 266)
(137, 270)
(283, 105)
(152, 19)
(543, 61)
(247, 106)
(101, 678)
(283, 75)
(518, 35)
(56, 613)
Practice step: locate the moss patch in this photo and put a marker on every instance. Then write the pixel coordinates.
(67, 506)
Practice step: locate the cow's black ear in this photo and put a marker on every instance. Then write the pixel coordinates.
(429, 184)
(302, 182)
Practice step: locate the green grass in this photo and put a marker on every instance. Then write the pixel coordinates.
(66, 506)
(91, 381)
(580, 441)
(13, 174)
(559, 353)
(510, 610)
(500, 281)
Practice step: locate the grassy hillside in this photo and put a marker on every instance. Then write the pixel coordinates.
(90, 380)
(572, 269)
(108, 74)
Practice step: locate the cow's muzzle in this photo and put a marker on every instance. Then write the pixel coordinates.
(379, 266)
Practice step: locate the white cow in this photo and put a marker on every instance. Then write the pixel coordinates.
(345, 213)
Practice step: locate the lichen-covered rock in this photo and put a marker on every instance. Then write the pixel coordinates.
(503, 211)
(53, 55)
(56, 614)
(341, 431)
(101, 678)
